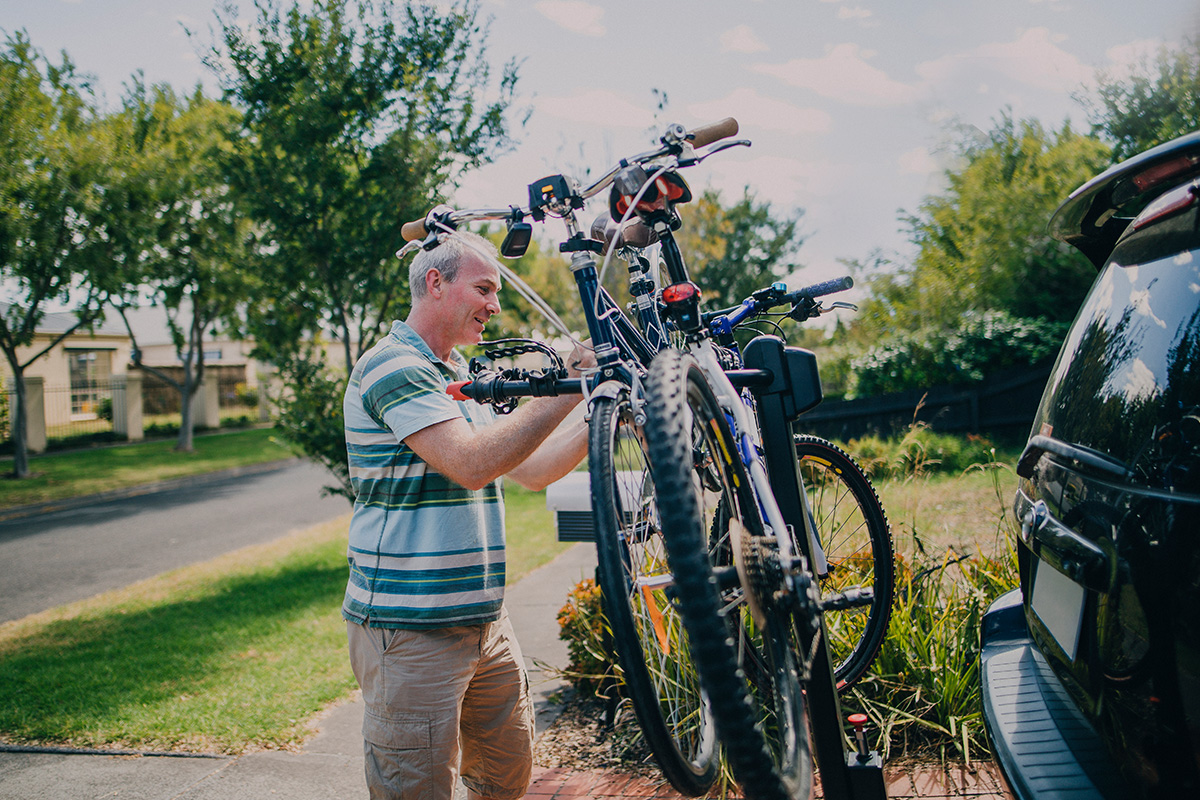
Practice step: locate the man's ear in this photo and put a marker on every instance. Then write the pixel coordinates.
(433, 283)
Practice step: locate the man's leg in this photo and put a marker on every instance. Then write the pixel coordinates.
(413, 683)
(497, 719)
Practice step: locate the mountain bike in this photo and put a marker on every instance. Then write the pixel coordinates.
(768, 609)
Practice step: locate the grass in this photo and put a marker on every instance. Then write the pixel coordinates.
(71, 474)
(234, 654)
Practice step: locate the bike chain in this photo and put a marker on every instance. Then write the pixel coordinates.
(514, 348)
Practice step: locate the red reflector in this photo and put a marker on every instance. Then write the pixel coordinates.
(1163, 172)
(678, 292)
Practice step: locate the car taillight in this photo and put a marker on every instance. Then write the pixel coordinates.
(1169, 204)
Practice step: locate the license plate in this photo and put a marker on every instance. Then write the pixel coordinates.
(1058, 603)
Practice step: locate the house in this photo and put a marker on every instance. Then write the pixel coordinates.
(77, 372)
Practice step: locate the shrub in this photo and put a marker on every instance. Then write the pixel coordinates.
(982, 343)
(582, 626)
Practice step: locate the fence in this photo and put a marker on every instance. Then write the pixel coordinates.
(1003, 405)
(123, 407)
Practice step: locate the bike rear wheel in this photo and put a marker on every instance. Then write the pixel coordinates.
(853, 530)
(648, 636)
(747, 666)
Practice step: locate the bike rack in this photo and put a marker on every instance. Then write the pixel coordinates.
(844, 775)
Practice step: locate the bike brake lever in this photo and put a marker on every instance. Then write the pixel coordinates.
(716, 148)
(842, 304)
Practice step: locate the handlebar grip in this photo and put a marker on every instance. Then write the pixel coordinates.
(412, 231)
(828, 287)
(455, 389)
(714, 131)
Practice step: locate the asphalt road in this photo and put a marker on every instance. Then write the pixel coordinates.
(67, 555)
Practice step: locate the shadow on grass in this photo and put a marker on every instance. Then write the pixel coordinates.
(238, 659)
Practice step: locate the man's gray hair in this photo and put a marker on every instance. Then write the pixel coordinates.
(446, 258)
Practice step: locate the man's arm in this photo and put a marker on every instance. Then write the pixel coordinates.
(475, 458)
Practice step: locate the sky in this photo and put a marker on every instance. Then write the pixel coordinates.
(849, 104)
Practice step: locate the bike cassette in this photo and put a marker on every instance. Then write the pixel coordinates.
(757, 561)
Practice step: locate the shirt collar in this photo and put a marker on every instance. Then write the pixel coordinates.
(402, 331)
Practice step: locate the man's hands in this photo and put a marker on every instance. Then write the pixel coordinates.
(582, 358)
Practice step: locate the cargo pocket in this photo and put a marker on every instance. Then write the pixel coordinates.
(397, 731)
(399, 757)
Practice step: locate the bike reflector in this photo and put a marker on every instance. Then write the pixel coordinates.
(680, 293)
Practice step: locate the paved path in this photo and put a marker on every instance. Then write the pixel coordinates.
(85, 549)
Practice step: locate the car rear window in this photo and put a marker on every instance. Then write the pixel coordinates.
(1129, 372)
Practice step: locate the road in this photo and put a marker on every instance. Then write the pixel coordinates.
(68, 555)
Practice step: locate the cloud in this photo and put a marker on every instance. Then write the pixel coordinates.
(574, 15)
(789, 182)
(756, 111)
(1033, 59)
(918, 161)
(597, 105)
(742, 40)
(857, 12)
(843, 74)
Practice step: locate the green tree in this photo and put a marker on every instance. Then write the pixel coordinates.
(56, 243)
(1153, 103)
(982, 244)
(193, 240)
(356, 117)
(733, 250)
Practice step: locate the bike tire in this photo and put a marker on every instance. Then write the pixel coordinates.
(647, 633)
(853, 529)
(749, 674)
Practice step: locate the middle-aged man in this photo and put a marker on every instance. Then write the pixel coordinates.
(430, 641)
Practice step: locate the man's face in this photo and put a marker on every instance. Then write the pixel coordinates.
(470, 300)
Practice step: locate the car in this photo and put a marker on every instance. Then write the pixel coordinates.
(1090, 670)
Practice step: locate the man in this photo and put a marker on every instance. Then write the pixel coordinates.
(430, 642)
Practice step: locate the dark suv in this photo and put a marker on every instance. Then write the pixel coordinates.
(1091, 669)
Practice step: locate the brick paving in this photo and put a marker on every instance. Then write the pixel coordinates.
(979, 782)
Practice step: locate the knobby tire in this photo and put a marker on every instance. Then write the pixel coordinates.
(749, 675)
(648, 636)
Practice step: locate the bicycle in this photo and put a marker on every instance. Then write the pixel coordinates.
(634, 592)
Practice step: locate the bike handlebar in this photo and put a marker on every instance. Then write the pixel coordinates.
(701, 136)
(821, 289)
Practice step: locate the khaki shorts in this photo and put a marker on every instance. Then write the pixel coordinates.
(438, 698)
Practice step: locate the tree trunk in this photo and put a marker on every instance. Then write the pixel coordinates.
(184, 444)
(20, 425)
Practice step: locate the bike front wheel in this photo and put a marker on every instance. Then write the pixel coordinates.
(853, 531)
(636, 584)
(747, 660)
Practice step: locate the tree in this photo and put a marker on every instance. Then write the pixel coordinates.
(1155, 102)
(982, 244)
(356, 117)
(56, 243)
(193, 250)
(734, 250)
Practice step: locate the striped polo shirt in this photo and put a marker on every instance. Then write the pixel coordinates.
(424, 552)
